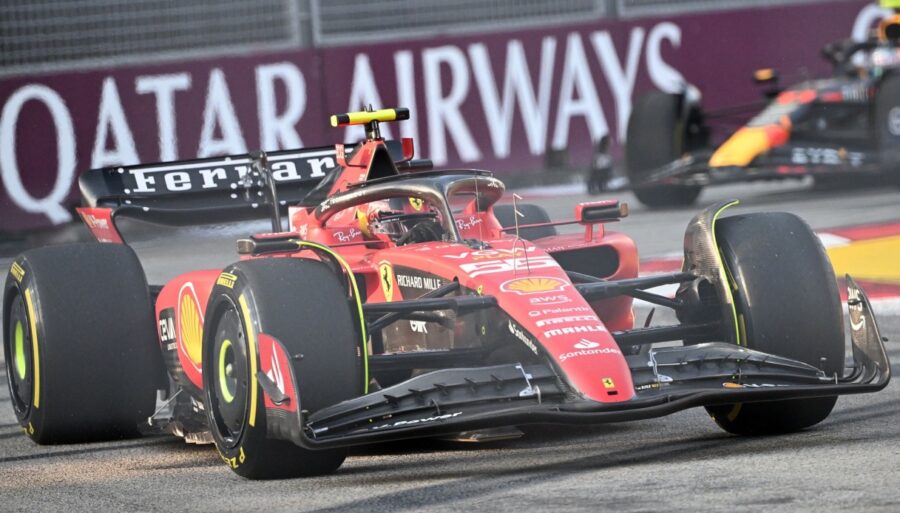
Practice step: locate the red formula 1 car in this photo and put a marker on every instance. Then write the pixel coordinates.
(404, 302)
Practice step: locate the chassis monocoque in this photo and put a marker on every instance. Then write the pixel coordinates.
(845, 125)
(398, 305)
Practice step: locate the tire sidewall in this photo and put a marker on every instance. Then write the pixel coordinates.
(657, 134)
(244, 453)
(887, 124)
(30, 418)
(288, 299)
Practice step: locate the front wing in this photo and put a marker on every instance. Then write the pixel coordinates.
(789, 161)
(666, 380)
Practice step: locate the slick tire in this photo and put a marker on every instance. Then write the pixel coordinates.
(656, 136)
(82, 359)
(303, 304)
(788, 304)
(887, 125)
(533, 214)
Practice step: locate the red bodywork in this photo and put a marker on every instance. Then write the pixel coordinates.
(546, 313)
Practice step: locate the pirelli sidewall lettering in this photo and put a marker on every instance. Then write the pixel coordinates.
(499, 100)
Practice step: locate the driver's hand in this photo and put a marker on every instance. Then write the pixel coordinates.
(424, 231)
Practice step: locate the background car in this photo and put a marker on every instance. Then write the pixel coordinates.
(847, 125)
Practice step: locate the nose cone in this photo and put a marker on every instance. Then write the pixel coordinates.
(550, 317)
(546, 312)
(748, 143)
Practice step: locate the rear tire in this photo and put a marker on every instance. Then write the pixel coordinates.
(82, 359)
(787, 297)
(303, 304)
(657, 136)
(533, 214)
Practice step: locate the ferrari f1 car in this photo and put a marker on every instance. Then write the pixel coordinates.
(404, 302)
(848, 124)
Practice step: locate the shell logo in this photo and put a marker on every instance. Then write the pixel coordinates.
(190, 325)
(533, 285)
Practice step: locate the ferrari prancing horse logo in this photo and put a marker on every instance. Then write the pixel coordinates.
(386, 277)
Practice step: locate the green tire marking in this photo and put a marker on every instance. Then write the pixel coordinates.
(723, 272)
(227, 394)
(21, 364)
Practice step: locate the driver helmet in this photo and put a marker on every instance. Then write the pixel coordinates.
(889, 30)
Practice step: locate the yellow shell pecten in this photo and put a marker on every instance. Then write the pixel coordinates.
(191, 328)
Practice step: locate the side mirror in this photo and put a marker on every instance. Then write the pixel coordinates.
(604, 211)
(765, 76)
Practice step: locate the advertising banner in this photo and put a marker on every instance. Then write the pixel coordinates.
(498, 101)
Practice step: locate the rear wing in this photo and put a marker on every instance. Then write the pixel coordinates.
(219, 189)
(205, 190)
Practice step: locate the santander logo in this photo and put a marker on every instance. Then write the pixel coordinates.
(586, 344)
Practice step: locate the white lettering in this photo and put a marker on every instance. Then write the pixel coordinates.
(576, 78)
(211, 175)
(418, 327)
(443, 111)
(564, 320)
(665, 77)
(219, 111)
(597, 328)
(178, 181)
(476, 269)
(164, 87)
(111, 121)
(363, 92)
(405, 280)
(317, 166)
(621, 81)
(406, 91)
(516, 86)
(285, 171)
(143, 181)
(588, 352)
(51, 204)
(522, 336)
(277, 131)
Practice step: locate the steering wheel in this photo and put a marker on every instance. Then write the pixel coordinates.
(410, 227)
(387, 216)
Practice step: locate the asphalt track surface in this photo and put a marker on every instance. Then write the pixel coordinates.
(850, 462)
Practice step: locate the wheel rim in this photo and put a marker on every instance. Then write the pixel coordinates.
(228, 389)
(19, 369)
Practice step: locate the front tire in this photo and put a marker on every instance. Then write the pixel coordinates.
(887, 125)
(82, 359)
(302, 304)
(787, 302)
(656, 136)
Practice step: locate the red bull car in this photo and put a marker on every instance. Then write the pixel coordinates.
(847, 125)
(401, 302)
